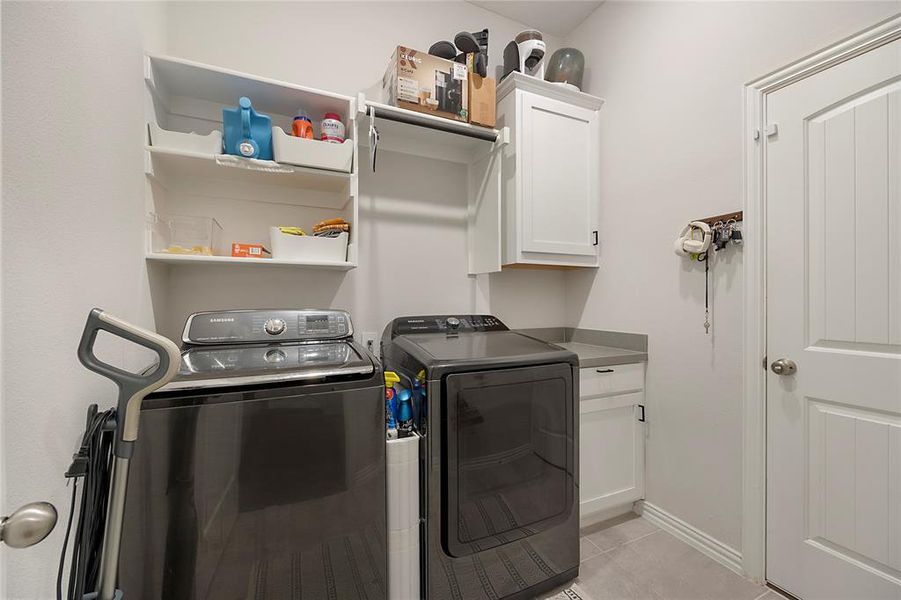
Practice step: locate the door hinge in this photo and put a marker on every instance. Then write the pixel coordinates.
(641, 408)
(595, 234)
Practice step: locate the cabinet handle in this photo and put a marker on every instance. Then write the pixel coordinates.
(595, 233)
(604, 370)
(641, 418)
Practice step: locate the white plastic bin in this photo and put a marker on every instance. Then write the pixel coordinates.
(312, 153)
(307, 247)
(185, 142)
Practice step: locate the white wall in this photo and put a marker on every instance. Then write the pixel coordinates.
(72, 222)
(413, 253)
(73, 208)
(671, 150)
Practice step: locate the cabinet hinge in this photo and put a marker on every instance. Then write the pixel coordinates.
(641, 408)
(595, 234)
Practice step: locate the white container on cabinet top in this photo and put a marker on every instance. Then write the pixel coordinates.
(551, 194)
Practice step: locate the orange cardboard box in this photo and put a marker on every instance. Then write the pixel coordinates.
(482, 101)
(250, 251)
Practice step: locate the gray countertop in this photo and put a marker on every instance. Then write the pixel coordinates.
(596, 348)
(603, 356)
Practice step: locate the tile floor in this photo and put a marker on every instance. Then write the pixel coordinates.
(628, 558)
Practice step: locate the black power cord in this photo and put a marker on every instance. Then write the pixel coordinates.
(93, 462)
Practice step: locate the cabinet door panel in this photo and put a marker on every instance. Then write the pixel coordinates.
(611, 452)
(559, 177)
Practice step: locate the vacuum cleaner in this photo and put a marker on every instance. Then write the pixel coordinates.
(103, 459)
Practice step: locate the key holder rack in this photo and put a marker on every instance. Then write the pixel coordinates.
(737, 216)
(725, 230)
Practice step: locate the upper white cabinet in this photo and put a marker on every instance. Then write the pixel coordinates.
(550, 183)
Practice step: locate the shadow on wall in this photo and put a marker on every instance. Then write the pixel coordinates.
(413, 190)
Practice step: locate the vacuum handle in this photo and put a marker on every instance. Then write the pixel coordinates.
(132, 387)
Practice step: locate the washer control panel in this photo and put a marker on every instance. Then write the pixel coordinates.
(254, 326)
(446, 324)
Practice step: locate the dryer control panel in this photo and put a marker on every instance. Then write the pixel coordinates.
(446, 324)
(255, 326)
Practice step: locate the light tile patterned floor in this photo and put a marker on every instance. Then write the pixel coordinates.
(628, 558)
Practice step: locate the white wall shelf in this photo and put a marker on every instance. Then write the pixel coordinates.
(168, 164)
(194, 259)
(421, 134)
(176, 81)
(247, 197)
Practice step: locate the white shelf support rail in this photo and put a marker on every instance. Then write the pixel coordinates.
(410, 117)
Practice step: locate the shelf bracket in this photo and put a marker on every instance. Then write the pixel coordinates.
(148, 164)
(503, 137)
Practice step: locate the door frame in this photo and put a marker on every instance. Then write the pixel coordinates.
(753, 551)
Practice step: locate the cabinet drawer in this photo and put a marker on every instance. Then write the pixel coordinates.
(606, 381)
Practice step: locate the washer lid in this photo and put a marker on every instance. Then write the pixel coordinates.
(250, 364)
(480, 346)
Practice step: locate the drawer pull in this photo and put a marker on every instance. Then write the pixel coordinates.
(604, 370)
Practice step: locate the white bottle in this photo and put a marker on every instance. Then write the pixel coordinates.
(332, 129)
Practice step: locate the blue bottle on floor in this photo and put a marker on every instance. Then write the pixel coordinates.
(247, 133)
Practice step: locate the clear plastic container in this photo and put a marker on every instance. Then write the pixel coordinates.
(178, 234)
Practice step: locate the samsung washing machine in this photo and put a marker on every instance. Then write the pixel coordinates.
(497, 412)
(260, 469)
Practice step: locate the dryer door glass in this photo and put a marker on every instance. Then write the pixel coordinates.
(509, 456)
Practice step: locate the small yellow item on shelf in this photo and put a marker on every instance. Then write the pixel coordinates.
(292, 230)
(201, 250)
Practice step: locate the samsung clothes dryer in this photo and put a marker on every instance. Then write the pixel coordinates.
(259, 473)
(497, 411)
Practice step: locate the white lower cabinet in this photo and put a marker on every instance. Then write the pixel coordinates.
(611, 438)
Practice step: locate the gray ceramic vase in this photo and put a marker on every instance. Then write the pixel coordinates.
(567, 65)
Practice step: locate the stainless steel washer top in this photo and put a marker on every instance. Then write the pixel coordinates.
(249, 347)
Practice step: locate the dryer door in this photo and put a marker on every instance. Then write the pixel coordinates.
(509, 458)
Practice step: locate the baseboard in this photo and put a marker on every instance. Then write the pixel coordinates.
(606, 514)
(725, 555)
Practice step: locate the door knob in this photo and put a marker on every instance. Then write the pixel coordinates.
(28, 525)
(784, 366)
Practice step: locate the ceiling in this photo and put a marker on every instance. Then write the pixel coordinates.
(555, 17)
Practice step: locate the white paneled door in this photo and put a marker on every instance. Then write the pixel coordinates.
(833, 194)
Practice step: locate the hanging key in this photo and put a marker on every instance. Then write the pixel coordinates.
(720, 237)
(736, 238)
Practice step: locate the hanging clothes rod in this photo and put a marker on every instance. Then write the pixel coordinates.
(401, 115)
